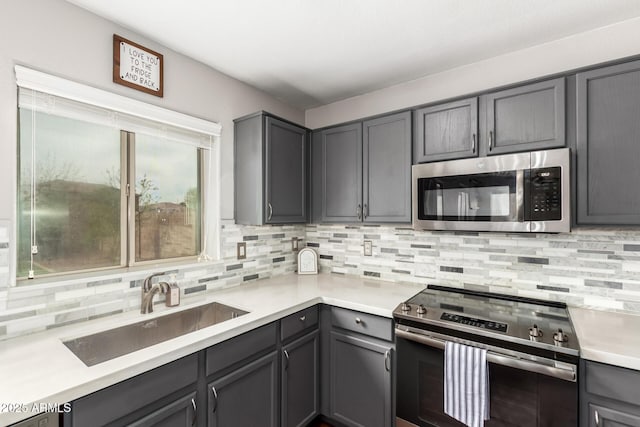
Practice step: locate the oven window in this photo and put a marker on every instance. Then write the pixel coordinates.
(479, 197)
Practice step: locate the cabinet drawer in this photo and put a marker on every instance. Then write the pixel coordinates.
(298, 322)
(113, 403)
(613, 382)
(237, 349)
(363, 323)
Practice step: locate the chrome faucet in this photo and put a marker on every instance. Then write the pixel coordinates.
(148, 291)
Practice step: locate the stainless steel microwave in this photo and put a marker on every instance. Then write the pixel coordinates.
(523, 192)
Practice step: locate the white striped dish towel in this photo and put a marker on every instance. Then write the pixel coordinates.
(466, 384)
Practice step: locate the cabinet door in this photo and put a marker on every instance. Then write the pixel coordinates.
(600, 416)
(341, 173)
(285, 173)
(300, 376)
(446, 131)
(247, 396)
(608, 149)
(181, 413)
(386, 166)
(360, 385)
(526, 118)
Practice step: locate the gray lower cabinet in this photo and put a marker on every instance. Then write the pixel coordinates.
(300, 380)
(608, 147)
(165, 396)
(270, 171)
(446, 131)
(609, 396)
(362, 171)
(359, 370)
(525, 118)
(180, 413)
(247, 396)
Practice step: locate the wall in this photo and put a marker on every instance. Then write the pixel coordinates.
(587, 267)
(61, 39)
(592, 47)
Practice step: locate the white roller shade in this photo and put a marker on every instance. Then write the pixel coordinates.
(62, 97)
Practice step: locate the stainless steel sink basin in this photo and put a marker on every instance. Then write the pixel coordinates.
(112, 343)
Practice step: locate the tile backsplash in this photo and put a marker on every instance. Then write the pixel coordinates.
(35, 307)
(597, 268)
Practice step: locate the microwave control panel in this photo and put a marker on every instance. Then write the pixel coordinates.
(543, 194)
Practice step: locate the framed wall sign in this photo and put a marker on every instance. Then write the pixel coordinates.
(307, 261)
(137, 67)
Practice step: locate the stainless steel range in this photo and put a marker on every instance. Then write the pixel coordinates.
(531, 349)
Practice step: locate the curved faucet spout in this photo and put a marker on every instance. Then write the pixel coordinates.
(148, 291)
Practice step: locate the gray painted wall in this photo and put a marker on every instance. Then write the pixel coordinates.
(61, 39)
(592, 47)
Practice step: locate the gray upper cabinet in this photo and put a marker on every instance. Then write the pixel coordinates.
(341, 173)
(362, 171)
(446, 131)
(271, 164)
(525, 118)
(608, 145)
(387, 169)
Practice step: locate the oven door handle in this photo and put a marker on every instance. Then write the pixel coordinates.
(498, 359)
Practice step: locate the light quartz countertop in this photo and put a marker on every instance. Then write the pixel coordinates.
(608, 337)
(39, 368)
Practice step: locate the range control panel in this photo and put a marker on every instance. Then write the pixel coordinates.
(478, 323)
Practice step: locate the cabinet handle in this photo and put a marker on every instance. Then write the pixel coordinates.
(303, 318)
(359, 212)
(270, 211)
(473, 143)
(490, 140)
(366, 210)
(358, 320)
(387, 359)
(286, 356)
(195, 412)
(215, 399)
(597, 417)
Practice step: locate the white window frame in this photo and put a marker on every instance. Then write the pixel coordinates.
(42, 82)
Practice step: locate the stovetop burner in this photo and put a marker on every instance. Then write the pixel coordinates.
(514, 319)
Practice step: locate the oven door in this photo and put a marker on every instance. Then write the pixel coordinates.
(518, 397)
(471, 194)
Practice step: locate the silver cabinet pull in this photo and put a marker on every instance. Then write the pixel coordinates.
(358, 320)
(303, 318)
(366, 210)
(387, 359)
(195, 411)
(270, 211)
(215, 399)
(359, 212)
(597, 417)
(473, 143)
(490, 140)
(286, 356)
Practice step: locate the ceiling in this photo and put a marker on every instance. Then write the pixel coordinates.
(314, 52)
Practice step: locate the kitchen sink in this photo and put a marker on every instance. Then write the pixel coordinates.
(102, 346)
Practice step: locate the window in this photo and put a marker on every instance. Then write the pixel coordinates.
(102, 189)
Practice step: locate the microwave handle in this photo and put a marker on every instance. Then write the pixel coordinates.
(520, 202)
